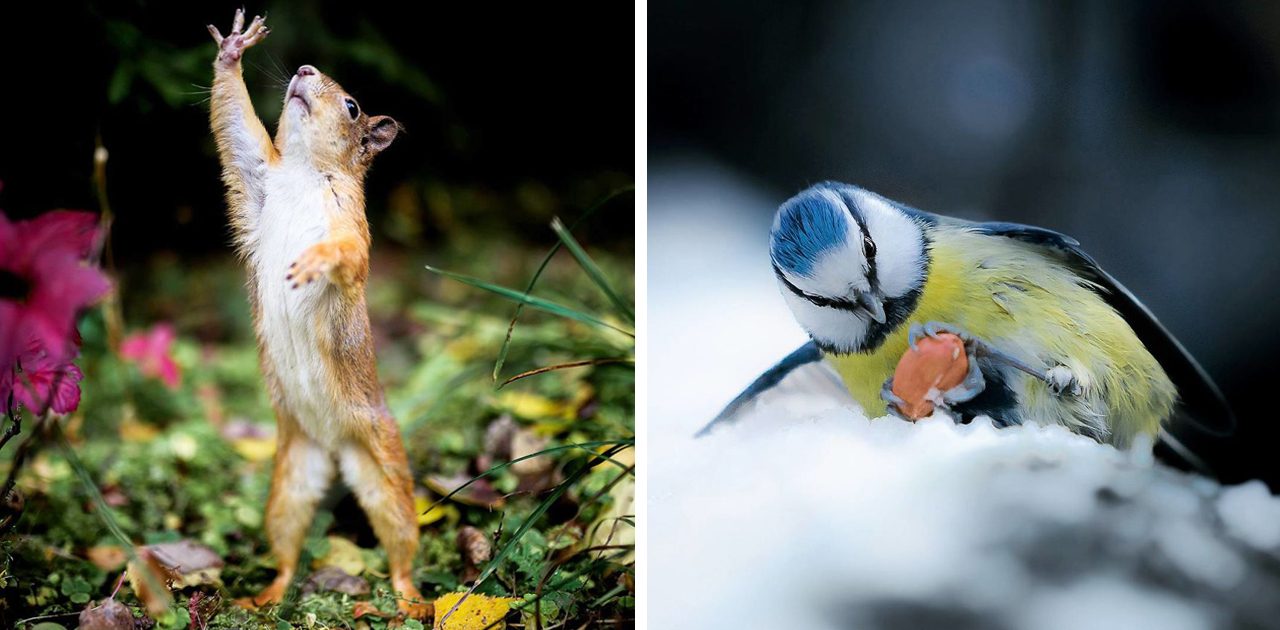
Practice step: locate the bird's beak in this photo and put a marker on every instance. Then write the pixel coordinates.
(872, 304)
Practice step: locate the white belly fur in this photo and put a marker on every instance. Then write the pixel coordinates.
(294, 217)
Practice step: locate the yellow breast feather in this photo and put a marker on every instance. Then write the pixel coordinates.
(1017, 297)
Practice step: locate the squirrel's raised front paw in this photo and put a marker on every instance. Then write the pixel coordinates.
(231, 47)
(312, 265)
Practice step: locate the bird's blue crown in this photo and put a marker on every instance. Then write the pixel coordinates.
(808, 225)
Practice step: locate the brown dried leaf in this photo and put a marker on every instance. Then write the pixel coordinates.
(525, 443)
(151, 581)
(362, 609)
(193, 563)
(478, 494)
(109, 614)
(336, 580)
(476, 552)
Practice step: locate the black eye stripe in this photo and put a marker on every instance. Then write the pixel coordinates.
(868, 245)
(817, 300)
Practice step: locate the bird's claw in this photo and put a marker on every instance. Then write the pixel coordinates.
(933, 329)
(1062, 381)
(887, 395)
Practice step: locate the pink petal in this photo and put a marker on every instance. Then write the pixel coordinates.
(71, 230)
(66, 394)
(169, 373)
(133, 347)
(45, 381)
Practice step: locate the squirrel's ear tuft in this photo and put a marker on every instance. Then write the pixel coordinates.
(378, 134)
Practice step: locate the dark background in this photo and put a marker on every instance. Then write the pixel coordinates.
(514, 113)
(1148, 130)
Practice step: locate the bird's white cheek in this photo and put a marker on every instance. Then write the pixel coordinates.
(828, 326)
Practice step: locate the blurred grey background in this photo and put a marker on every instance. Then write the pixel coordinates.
(1150, 131)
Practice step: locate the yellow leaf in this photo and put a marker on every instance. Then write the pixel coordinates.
(463, 348)
(427, 517)
(581, 397)
(343, 554)
(531, 406)
(133, 430)
(255, 449)
(476, 612)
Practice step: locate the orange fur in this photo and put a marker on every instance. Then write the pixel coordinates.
(322, 377)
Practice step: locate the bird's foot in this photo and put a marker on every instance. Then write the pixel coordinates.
(1062, 381)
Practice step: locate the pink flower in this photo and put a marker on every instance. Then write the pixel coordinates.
(151, 351)
(44, 284)
(41, 380)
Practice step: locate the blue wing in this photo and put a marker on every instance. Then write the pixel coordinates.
(1200, 400)
(806, 358)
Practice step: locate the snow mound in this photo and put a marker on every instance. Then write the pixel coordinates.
(803, 518)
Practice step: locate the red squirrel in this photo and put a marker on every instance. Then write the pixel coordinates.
(296, 206)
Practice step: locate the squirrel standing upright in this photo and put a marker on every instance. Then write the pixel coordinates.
(296, 206)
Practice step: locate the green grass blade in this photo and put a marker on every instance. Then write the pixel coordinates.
(586, 446)
(535, 302)
(506, 343)
(593, 270)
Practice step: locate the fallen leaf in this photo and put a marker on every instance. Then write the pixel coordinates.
(478, 494)
(255, 449)
(151, 581)
(497, 440)
(477, 612)
(525, 443)
(476, 552)
(107, 557)
(109, 614)
(192, 562)
(342, 554)
(428, 516)
(532, 406)
(251, 440)
(336, 580)
(361, 609)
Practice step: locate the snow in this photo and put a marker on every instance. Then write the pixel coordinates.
(807, 514)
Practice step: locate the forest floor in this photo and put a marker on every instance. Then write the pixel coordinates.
(170, 453)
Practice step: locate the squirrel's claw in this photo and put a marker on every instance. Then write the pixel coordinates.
(311, 266)
(232, 45)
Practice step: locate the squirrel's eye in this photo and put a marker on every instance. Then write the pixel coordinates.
(353, 109)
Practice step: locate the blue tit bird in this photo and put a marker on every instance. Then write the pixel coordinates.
(1055, 339)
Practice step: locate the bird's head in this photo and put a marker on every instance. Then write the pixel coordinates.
(851, 264)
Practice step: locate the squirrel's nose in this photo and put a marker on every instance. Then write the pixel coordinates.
(306, 71)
